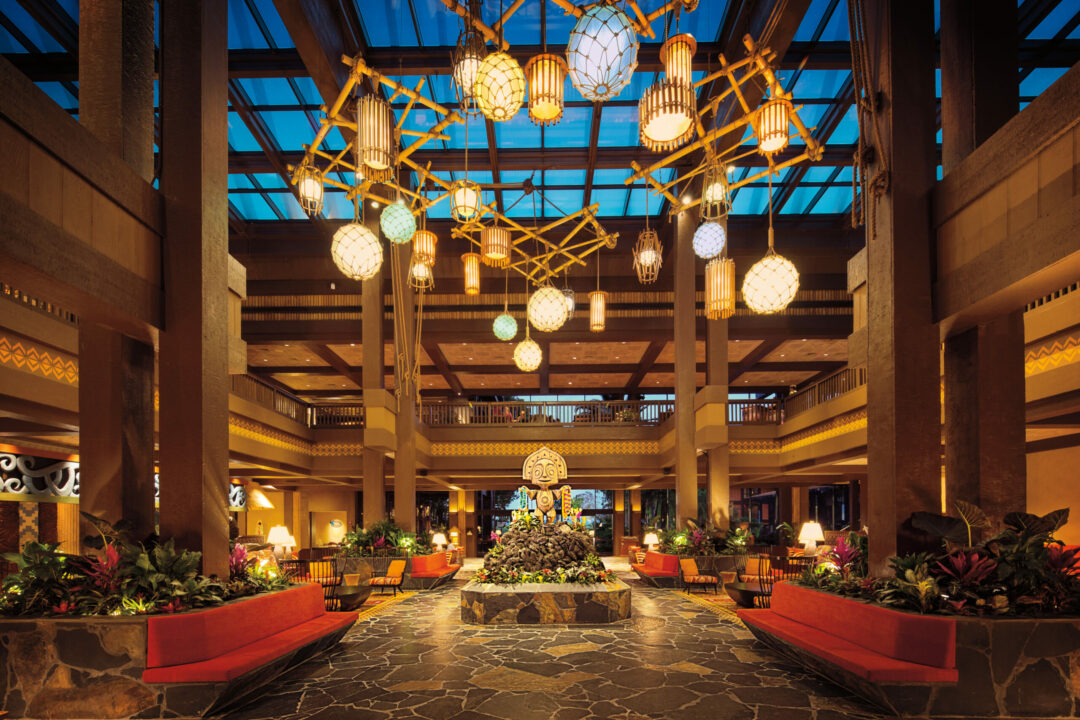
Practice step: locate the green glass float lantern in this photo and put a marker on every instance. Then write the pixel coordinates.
(397, 223)
(505, 326)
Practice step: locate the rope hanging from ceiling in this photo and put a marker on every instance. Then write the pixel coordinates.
(866, 101)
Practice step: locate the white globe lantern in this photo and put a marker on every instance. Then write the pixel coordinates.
(547, 309)
(527, 355)
(602, 52)
(356, 251)
(709, 240)
(770, 284)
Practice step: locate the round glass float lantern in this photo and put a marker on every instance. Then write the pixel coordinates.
(648, 256)
(666, 115)
(376, 144)
(309, 188)
(464, 200)
(597, 310)
(469, 53)
(719, 288)
(527, 355)
(495, 246)
(472, 273)
(770, 284)
(715, 199)
(424, 246)
(505, 326)
(398, 223)
(356, 251)
(571, 302)
(546, 74)
(500, 87)
(421, 275)
(709, 240)
(771, 125)
(602, 52)
(547, 309)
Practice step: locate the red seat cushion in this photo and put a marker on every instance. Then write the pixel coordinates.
(661, 564)
(437, 571)
(386, 580)
(433, 565)
(652, 571)
(702, 580)
(867, 664)
(235, 663)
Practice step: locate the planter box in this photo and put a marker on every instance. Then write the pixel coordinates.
(545, 603)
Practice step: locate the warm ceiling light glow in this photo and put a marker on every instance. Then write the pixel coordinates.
(421, 276)
(468, 55)
(720, 288)
(677, 55)
(666, 114)
(571, 302)
(464, 200)
(356, 251)
(546, 74)
(527, 355)
(597, 310)
(547, 309)
(424, 246)
(495, 246)
(709, 240)
(309, 188)
(397, 222)
(602, 52)
(376, 144)
(770, 284)
(771, 125)
(505, 326)
(715, 200)
(648, 256)
(500, 87)
(472, 273)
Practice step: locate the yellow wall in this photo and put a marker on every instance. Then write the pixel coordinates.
(269, 518)
(1052, 484)
(320, 504)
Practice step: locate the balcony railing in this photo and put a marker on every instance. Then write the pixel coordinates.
(754, 412)
(570, 413)
(837, 384)
(269, 397)
(336, 416)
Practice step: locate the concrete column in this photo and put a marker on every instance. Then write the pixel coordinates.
(193, 368)
(718, 479)
(372, 342)
(686, 466)
(985, 453)
(405, 455)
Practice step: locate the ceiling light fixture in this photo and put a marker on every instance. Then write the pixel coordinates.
(547, 309)
(773, 281)
(504, 325)
(648, 252)
(356, 251)
(376, 137)
(602, 52)
(710, 239)
(468, 55)
(500, 87)
(668, 108)
(720, 288)
(397, 222)
(424, 246)
(472, 273)
(546, 74)
(715, 199)
(495, 246)
(309, 188)
(527, 354)
(420, 275)
(771, 123)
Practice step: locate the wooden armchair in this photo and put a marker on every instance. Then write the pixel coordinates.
(393, 577)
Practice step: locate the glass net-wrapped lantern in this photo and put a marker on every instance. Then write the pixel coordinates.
(571, 302)
(505, 326)
(309, 188)
(468, 55)
(472, 273)
(376, 140)
(495, 246)
(528, 355)
(719, 288)
(500, 87)
(547, 309)
(398, 223)
(602, 52)
(597, 310)
(421, 276)
(770, 284)
(648, 256)
(464, 200)
(710, 238)
(424, 242)
(715, 198)
(771, 125)
(356, 251)
(546, 74)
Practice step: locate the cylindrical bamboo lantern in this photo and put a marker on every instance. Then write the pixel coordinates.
(597, 310)
(472, 273)
(719, 288)
(424, 246)
(376, 144)
(772, 125)
(677, 55)
(495, 245)
(309, 188)
(546, 74)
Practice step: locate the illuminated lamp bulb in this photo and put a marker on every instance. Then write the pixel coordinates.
(719, 288)
(472, 273)
(468, 55)
(495, 246)
(398, 223)
(597, 310)
(602, 52)
(571, 302)
(505, 326)
(666, 116)
(500, 87)
(677, 55)
(309, 188)
(709, 240)
(527, 355)
(421, 275)
(424, 246)
(715, 199)
(464, 200)
(648, 256)
(770, 284)
(771, 124)
(546, 74)
(356, 251)
(376, 141)
(547, 309)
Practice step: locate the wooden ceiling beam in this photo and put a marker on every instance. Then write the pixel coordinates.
(823, 367)
(337, 363)
(752, 357)
(433, 351)
(647, 361)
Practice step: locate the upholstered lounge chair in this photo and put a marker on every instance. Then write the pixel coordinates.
(392, 578)
(691, 576)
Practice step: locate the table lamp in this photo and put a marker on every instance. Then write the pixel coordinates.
(810, 535)
(279, 537)
(439, 540)
(651, 541)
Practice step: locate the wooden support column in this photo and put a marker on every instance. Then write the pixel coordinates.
(193, 367)
(985, 453)
(903, 405)
(372, 342)
(635, 513)
(617, 521)
(686, 469)
(718, 480)
(116, 373)
(405, 455)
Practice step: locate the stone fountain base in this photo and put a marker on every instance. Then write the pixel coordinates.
(545, 603)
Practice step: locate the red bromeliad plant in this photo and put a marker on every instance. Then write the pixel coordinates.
(966, 569)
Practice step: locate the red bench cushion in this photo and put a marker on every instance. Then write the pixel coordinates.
(921, 639)
(432, 566)
(658, 565)
(231, 665)
(856, 659)
(213, 632)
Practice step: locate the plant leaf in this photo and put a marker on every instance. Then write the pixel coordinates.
(971, 514)
(942, 526)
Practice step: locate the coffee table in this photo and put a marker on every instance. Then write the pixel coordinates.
(744, 594)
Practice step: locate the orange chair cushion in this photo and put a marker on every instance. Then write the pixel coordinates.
(386, 580)
(702, 579)
(396, 569)
(688, 566)
(429, 566)
(658, 565)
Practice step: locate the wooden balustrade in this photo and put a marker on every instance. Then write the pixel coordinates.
(559, 413)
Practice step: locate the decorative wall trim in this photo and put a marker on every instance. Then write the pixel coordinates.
(1062, 350)
(848, 422)
(503, 449)
(242, 427)
(27, 356)
(25, 477)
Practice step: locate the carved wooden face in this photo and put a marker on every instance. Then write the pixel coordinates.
(545, 473)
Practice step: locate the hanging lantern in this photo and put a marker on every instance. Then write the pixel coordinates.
(648, 256)
(472, 273)
(571, 302)
(527, 355)
(719, 288)
(495, 246)
(421, 275)
(309, 188)
(500, 87)
(464, 200)
(771, 124)
(546, 75)
(547, 309)
(469, 53)
(666, 116)
(505, 326)
(424, 246)
(397, 223)
(709, 240)
(770, 284)
(715, 199)
(602, 52)
(677, 55)
(597, 310)
(376, 144)
(356, 251)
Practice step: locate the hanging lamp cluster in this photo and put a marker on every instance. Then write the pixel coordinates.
(668, 108)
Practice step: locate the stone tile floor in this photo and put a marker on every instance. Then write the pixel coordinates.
(672, 659)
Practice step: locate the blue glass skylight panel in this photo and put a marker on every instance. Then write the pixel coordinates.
(817, 173)
(336, 206)
(238, 181)
(813, 17)
(847, 132)
(1055, 20)
(611, 176)
(278, 34)
(514, 176)
(287, 204)
(750, 201)
(837, 29)
(8, 44)
(561, 202)
(798, 201)
(438, 211)
(704, 23)
(619, 127)
(240, 137)
(1039, 80)
(564, 177)
(35, 34)
(71, 7)
(636, 205)
(517, 132)
(269, 91)
(611, 202)
(523, 28)
(477, 133)
(389, 22)
(269, 180)
(251, 206)
(518, 205)
(477, 173)
(438, 26)
(834, 200)
(59, 95)
(290, 128)
(572, 131)
(333, 142)
(244, 33)
(819, 83)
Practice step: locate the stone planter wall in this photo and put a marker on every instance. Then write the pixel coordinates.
(544, 603)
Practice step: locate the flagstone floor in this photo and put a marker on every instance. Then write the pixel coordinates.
(672, 659)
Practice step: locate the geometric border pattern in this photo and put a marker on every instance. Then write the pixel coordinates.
(27, 356)
(1062, 351)
(503, 449)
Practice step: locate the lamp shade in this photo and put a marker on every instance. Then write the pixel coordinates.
(472, 273)
(666, 115)
(770, 284)
(279, 535)
(527, 355)
(719, 288)
(602, 52)
(651, 539)
(547, 309)
(464, 200)
(546, 74)
(438, 539)
(257, 498)
(397, 223)
(376, 144)
(495, 246)
(677, 55)
(771, 125)
(811, 532)
(500, 87)
(468, 55)
(421, 276)
(424, 246)
(356, 251)
(597, 310)
(309, 188)
(571, 302)
(505, 327)
(709, 240)
(648, 257)
(715, 199)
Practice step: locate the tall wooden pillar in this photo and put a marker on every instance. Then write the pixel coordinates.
(116, 373)
(686, 470)
(193, 367)
(372, 342)
(405, 455)
(618, 521)
(985, 460)
(635, 513)
(463, 519)
(903, 405)
(718, 479)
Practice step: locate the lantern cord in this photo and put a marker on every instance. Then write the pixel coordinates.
(865, 99)
(770, 216)
(506, 291)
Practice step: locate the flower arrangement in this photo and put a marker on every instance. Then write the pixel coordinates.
(591, 570)
(383, 539)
